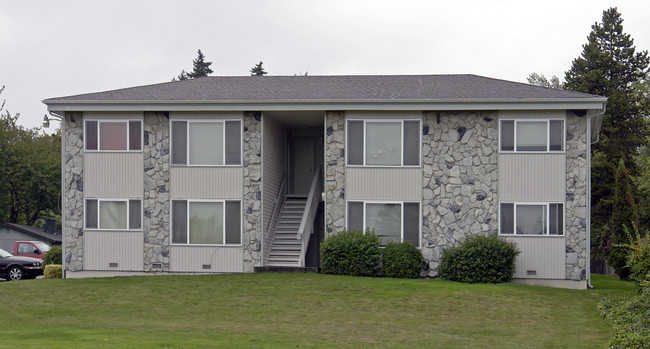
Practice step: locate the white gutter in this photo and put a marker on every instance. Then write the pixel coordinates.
(63, 193)
(599, 113)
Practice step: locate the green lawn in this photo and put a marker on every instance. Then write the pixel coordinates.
(298, 310)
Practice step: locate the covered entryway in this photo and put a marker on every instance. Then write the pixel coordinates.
(292, 157)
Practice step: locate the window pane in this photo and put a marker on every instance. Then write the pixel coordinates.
(412, 222)
(507, 135)
(179, 221)
(411, 142)
(179, 142)
(531, 219)
(112, 215)
(233, 222)
(355, 143)
(135, 214)
(531, 136)
(556, 219)
(206, 223)
(355, 216)
(557, 135)
(135, 133)
(507, 220)
(112, 135)
(91, 214)
(386, 219)
(206, 143)
(233, 143)
(91, 135)
(383, 143)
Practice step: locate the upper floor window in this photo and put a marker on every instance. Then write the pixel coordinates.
(532, 135)
(113, 135)
(383, 143)
(113, 214)
(207, 143)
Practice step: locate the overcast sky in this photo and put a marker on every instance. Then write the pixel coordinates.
(58, 48)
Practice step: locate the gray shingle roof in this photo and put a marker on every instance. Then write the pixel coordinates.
(36, 232)
(365, 88)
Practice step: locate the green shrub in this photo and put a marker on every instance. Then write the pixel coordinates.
(630, 317)
(479, 259)
(638, 255)
(53, 271)
(350, 253)
(53, 256)
(401, 260)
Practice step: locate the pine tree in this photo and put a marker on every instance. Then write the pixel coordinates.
(623, 215)
(541, 80)
(610, 67)
(258, 70)
(201, 68)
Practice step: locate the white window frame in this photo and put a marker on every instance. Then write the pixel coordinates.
(223, 142)
(548, 136)
(401, 203)
(223, 232)
(547, 221)
(401, 121)
(128, 135)
(128, 216)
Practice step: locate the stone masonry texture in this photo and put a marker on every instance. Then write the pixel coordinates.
(576, 197)
(335, 172)
(252, 235)
(74, 186)
(459, 194)
(156, 213)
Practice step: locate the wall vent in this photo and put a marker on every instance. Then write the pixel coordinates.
(207, 266)
(531, 272)
(112, 265)
(156, 265)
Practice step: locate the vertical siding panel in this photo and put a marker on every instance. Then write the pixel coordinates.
(383, 183)
(123, 248)
(383, 115)
(113, 174)
(532, 177)
(113, 115)
(220, 259)
(206, 182)
(545, 255)
(532, 114)
(273, 158)
(206, 115)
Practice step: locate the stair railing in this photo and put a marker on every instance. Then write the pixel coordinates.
(275, 214)
(309, 215)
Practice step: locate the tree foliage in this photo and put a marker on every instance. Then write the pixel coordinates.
(541, 80)
(624, 215)
(30, 171)
(200, 68)
(610, 66)
(258, 70)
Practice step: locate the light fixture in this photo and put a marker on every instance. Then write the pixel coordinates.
(46, 121)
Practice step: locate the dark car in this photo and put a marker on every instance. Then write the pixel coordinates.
(17, 268)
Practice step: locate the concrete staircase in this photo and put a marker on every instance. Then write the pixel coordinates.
(285, 249)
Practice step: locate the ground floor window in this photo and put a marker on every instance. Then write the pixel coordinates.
(391, 221)
(113, 214)
(531, 218)
(206, 222)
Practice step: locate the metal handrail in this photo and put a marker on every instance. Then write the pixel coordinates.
(275, 214)
(307, 222)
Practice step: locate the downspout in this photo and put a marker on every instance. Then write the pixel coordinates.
(63, 194)
(588, 244)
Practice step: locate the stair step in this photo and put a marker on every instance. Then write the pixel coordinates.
(283, 259)
(280, 264)
(286, 243)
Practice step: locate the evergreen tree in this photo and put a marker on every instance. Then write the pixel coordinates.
(201, 68)
(623, 215)
(258, 70)
(610, 67)
(541, 80)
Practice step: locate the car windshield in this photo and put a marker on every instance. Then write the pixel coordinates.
(4, 253)
(42, 246)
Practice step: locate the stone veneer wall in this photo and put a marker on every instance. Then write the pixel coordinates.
(156, 211)
(335, 172)
(251, 204)
(74, 186)
(576, 197)
(459, 154)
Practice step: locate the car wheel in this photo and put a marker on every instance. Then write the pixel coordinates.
(15, 273)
